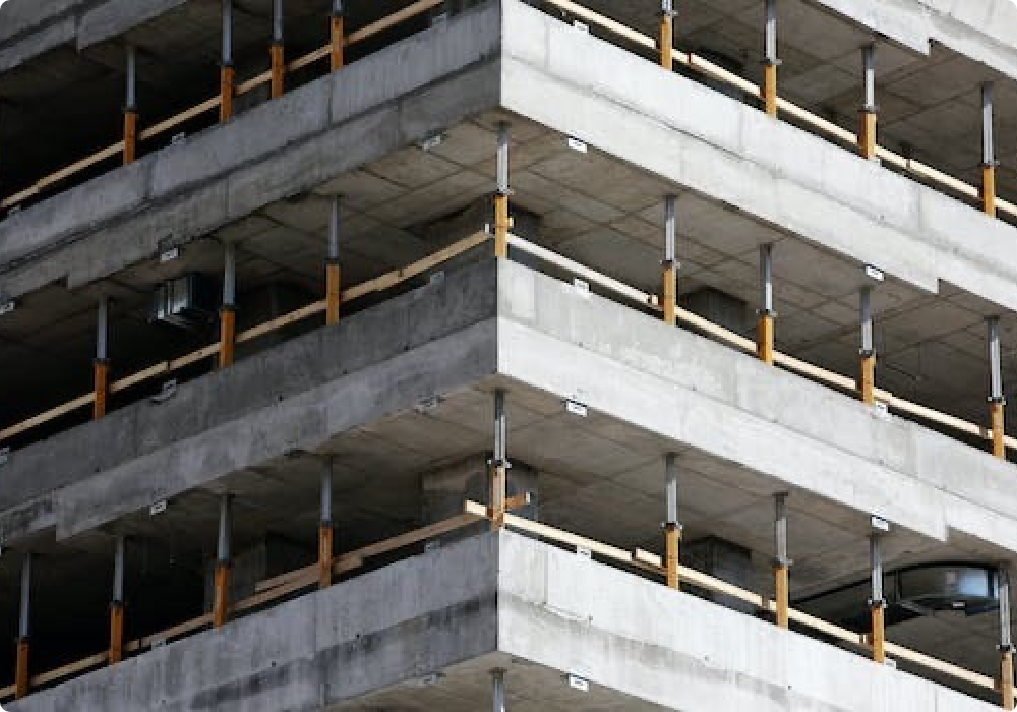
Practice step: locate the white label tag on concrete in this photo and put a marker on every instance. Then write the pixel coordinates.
(158, 508)
(576, 408)
(578, 683)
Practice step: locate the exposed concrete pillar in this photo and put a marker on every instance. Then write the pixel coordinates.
(499, 463)
(277, 50)
(228, 75)
(672, 529)
(326, 532)
(997, 401)
(116, 614)
(877, 603)
(767, 314)
(21, 669)
(867, 350)
(669, 291)
(502, 223)
(228, 312)
(224, 561)
(1006, 672)
(102, 362)
(666, 42)
(989, 161)
(333, 270)
(782, 563)
(770, 59)
(868, 114)
(498, 690)
(131, 106)
(338, 28)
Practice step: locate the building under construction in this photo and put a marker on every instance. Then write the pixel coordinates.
(524, 355)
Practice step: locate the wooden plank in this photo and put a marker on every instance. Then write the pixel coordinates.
(391, 279)
(308, 572)
(931, 663)
(413, 537)
(136, 378)
(195, 356)
(254, 82)
(170, 633)
(390, 21)
(260, 599)
(70, 669)
(279, 322)
(180, 118)
(617, 28)
(563, 537)
(64, 409)
(310, 58)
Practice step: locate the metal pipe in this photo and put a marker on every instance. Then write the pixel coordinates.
(277, 21)
(498, 690)
(335, 223)
(337, 7)
(327, 481)
(670, 229)
(770, 50)
(780, 528)
(500, 428)
(988, 137)
(671, 487)
(118, 570)
(503, 158)
(995, 361)
(1005, 630)
(26, 592)
(229, 282)
(869, 76)
(227, 33)
(876, 561)
(766, 278)
(131, 84)
(102, 330)
(224, 550)
(865, 308)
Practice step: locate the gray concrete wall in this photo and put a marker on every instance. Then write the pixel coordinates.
(29, 28)
(396, 97)
(696, 392)
(619, 631)
(693, 136)
(383, 360)
(398, 623)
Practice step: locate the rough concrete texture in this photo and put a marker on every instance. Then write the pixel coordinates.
(322, 130)
(433, 340)
(29, 28)
(630, 366)
(509, 594)
(619, 631)
(687, 133)
(401, 622)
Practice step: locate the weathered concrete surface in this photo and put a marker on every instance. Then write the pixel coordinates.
(322, 130)
(696, 392)
(536, 606)
(644, 640)
(29, 28)
(383, 360)
(696, 137)
(401, 622)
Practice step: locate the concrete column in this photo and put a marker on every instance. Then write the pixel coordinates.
(277, 50)
(326, 533)
(770, 59)
(102, 362)
(499, 464)
(877, 603)
(498, 690)
(21, 670)
(502, 223)
(669, 291)
(338, 28)
(666, 42)
(333, 270)
(782, 563)
(867, 350)
(224, 561)
(131, 106)
(989, 161)
(1006, 672)
(867, 115)
(116, 626)
(672, 529)
(997, 401)
(228, 312)
(767, 314)
(228, 75)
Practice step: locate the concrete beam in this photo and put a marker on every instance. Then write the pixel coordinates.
(316, 133)
(688, 134)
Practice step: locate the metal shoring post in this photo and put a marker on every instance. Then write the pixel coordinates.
(21, 670)
(672, 529)
(770, 60)
(498, 690)
(326, 533)
(666, 41)
(333, 270)
(499, 464)
(767, 314)
(102, 363)
(228, 74)
(338, 27)
(131, 106)
(277, 50)
(228, 312)
(116, 634)
(989, 162)
(502, 223)
(782, 563)
(877, 604)
(669, 291)
(224, 562)
(997, 401)
(868, 114)
(1006, 674)
(867, 375)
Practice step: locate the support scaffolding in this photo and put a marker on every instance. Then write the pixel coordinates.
(277, 50)
(102, 363)
(672, 529)
(116, 625)
(499, 464)
(989, 162)
(669, 290)
(782, 563)
(770, 60)
(868, 114)
(333, 269)
(224, 563)
(767, 314)
(228, 75)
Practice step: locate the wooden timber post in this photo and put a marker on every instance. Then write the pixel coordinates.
(228, 75)
(223, 564)
(101, 366)
(333, 269)
(669, 265)
(767, 314)
(782, 563)
(666, 41)
(338, 28)
(326, 529)
(228, 312)
(770, 60)
(131, 107)
(22, 683)
(989, 162)
(499, 464)
(868, 114)
(277, 51)
(502, 222)
(672, 529)
(116, 625)
(997, 401)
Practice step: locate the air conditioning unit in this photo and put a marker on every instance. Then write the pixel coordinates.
(188, 302)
